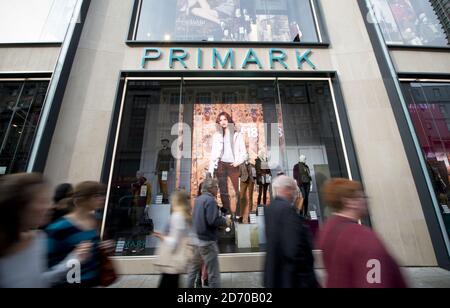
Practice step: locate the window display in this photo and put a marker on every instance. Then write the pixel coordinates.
(302, 176)
(410, 22)
(429, 108)
(20, 110)
(241, 132)
(227, 20)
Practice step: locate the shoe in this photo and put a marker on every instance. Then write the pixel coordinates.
(205, 283)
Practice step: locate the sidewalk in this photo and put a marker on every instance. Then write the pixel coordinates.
(418, 278)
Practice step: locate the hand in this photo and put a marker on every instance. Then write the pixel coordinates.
(235, 165)
(158, 235)
(83, 251)
(229, 222)
(108, 247)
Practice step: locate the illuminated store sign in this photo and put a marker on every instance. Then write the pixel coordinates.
(178, 57)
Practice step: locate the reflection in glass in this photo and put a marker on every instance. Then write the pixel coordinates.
(429, 108)
(226, 125)
(32, 21)
(20, 109)
(411, 22)
(227, 20)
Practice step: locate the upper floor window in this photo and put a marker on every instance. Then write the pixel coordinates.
(227, 20)
(35, 21)
(413, 22)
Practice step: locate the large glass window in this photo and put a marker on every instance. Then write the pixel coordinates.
(169, 138)
(429, 107)
(413, 22)
(20, 109)
(227, 20)
(34, 21)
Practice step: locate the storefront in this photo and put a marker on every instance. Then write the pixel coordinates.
(277, 120)
(291, 81)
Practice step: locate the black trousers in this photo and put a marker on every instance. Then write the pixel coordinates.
(262, 192)
(169, 281)
(305, 188)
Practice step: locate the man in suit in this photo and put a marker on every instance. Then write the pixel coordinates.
(289, 258)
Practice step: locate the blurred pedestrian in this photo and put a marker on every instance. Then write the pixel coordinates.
(25, 202)
(62, 201)
(207, 219)
(353, 254)
(81, 226)
(175, 239)
(289, 258)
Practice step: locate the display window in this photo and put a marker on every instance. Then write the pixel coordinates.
(227, 20)
(244, 132)
(412, 22)
(429, 107)
(21, 104)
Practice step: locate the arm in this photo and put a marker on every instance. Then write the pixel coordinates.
(215, 153)
(58, 273)
(177, 230)
(149, 193)
(157, 163)
(296, 174)
(213, 217)
(241, 150)
(295, 241)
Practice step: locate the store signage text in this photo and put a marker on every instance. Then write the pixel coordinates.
(179, 56)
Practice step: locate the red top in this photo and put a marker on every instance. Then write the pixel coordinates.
(355, 257)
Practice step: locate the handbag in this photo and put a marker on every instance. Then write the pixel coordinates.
(108, 273)
(174, 261)
(146, 225)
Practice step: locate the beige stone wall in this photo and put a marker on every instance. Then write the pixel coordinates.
(395, 206)
(80, 138)
(410, 61)
(26, 59)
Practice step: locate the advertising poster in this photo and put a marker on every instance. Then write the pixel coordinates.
(234, 20)
(247, 122)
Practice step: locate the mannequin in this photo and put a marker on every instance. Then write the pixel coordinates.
(247, 173)
(263, 176)
(164, 164)
(303, 177)
(142, 197)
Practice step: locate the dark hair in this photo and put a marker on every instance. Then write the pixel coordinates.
(227, 115)
(63, 191)
(16, 193)
(86, 190)
(335, 191)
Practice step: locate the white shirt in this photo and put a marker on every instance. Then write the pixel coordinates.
(228, 156)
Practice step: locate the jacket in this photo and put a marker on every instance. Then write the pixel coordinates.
(245, 172)
(289, 258)
(260, 172)
(207, 218)
(239, 150)
(302, 174)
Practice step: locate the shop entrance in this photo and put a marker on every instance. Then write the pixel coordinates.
(171, 133)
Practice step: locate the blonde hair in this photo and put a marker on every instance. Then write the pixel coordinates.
(180, 203)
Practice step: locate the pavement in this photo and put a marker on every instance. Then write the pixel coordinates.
(417, 277)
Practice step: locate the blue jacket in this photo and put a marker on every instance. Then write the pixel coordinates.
(207, 218)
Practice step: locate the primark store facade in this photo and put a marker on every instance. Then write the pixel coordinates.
(130, 92)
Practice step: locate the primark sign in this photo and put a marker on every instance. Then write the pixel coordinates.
(212, 58)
